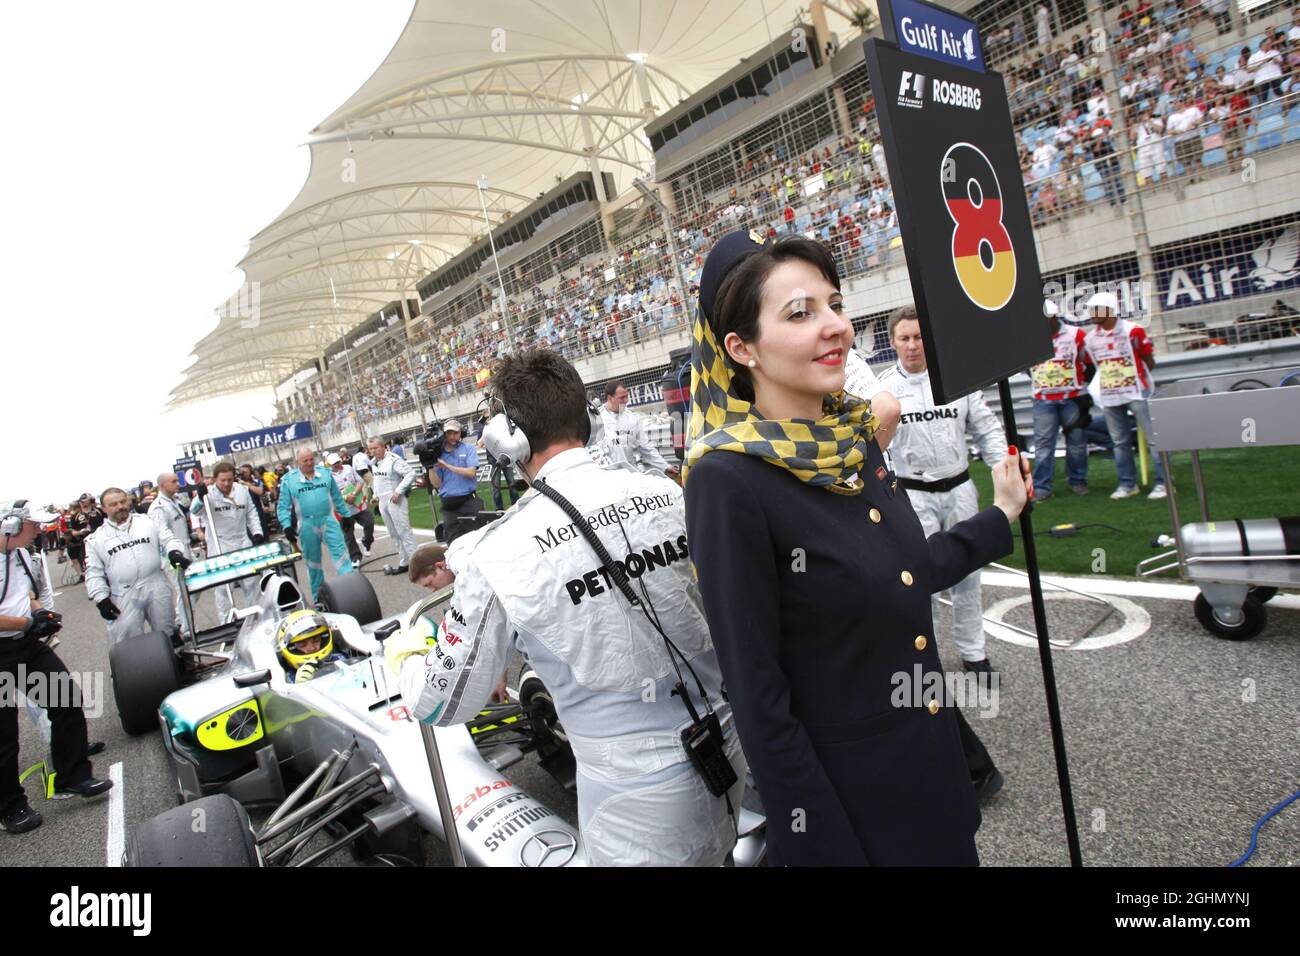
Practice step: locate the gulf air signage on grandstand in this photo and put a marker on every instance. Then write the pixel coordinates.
(1259, 259)
(931, 31)
(263, 438)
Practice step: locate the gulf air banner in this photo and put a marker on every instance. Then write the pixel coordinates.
(263, 438)
(950, 150)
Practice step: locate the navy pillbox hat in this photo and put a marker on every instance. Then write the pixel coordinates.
(726, 254)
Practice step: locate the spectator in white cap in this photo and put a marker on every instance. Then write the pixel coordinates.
(455, 478)
(1123, 355)
(1060, 405)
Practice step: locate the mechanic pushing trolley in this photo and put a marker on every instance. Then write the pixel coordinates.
(660, 769)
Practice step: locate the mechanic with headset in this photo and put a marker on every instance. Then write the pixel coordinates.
(305, 642)
(234, 516)
(315, 497)
(25, 628)
(660, 771)
(124, 575)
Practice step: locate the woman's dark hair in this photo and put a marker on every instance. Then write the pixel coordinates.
(544, 395)
(740, 295)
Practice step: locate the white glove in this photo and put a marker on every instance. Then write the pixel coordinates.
(399, 647)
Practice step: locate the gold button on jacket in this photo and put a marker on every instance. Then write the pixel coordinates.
(934, 707)
(920, 642)
(874, 515)
(906, 577)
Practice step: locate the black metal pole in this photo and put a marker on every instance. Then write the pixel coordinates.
(1044, 648)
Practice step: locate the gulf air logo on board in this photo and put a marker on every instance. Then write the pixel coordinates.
(982, 254)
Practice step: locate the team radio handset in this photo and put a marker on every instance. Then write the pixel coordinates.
(702, 740)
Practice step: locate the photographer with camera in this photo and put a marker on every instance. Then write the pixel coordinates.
(659, 767)
(25, 628)
(455, 478)
(393, 478)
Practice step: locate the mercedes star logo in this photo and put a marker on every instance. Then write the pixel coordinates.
(548, 848)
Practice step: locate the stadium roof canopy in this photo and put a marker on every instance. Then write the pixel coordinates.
(520, 94)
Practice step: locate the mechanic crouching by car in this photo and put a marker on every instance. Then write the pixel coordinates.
(25, 628)
(532, 580)
(313, 497)
(124, 575)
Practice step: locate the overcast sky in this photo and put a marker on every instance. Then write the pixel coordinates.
(144, 144)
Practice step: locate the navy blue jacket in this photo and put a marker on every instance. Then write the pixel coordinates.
(812, 616)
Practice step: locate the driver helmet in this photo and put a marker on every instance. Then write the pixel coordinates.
(304, 637)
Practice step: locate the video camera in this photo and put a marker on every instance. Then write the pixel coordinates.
(428, 447)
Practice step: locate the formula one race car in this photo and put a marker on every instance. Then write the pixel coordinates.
(147, 667)
(340, 753)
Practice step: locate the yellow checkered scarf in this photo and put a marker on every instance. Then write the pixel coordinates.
(827, 453)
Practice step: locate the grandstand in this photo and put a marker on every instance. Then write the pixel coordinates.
(1157, 154)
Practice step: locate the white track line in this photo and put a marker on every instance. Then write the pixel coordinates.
(1096, 584)
(116, 816)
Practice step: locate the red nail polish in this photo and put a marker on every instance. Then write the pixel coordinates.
(1011, 449)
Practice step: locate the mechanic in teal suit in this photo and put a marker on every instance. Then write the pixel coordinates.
(315, 497)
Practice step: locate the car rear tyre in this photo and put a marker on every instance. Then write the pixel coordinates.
(350, 594)
(211, 831)
(144, 670)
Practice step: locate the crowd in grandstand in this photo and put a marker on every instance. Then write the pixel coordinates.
(1191, 96)
(1186, 106)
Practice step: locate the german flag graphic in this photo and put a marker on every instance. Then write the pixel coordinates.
(982, 254)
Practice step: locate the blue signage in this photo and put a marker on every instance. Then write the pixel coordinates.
(928, 30)
(1258, 259)
(262, 438)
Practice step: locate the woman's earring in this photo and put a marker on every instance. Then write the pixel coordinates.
(753, 364)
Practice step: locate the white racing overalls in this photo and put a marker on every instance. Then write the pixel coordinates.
(393, 474)
(170, 514)
(931, 447)
(531, 581)
(624, 441)
(124, 562)
(236, 521)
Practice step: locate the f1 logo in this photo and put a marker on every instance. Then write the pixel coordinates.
(917, 82)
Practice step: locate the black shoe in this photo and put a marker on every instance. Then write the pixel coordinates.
(988, 785)
(85, 789)
(400, 569)
(96, 748)
(1079, 489)
(21, 820)
(978, 667)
